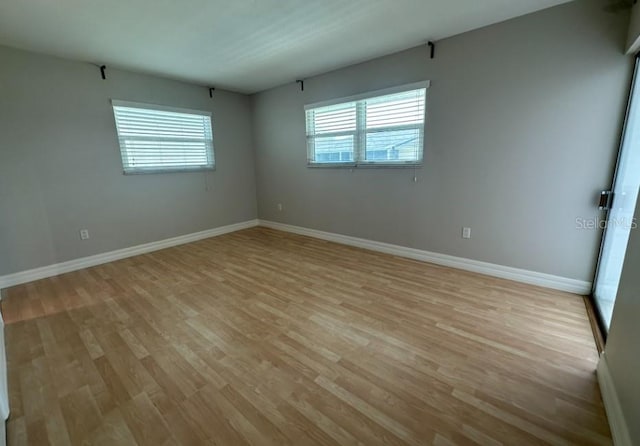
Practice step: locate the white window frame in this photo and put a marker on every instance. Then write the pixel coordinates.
(360, 132)
(129, 170)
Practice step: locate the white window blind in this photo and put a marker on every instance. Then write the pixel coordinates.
(379, 129)
(163, 139)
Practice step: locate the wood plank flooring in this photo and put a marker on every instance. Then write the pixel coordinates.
(261, 337)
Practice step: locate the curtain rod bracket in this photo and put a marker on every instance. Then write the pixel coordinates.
(102, 73)
(432, 47)
(211, 90)
(301, 82)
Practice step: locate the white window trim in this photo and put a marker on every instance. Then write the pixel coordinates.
(368, 95)
(145, 105)
(119, 103)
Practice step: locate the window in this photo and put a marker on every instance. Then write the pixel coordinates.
(163, 139)
(385, 128)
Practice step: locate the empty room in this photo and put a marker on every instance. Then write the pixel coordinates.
(338, 222)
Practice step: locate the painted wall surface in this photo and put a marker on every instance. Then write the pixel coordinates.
(633, 36)
(523, 125)
(623, 349)
(60, 167)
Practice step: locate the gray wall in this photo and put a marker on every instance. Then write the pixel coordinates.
(633, 36)
(60, 167)
(523, 125)
(623, 347)
(524, 118)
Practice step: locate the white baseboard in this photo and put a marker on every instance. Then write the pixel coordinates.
(489, 269)
(615, 415)
(85, 262)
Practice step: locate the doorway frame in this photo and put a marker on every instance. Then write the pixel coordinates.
(594, 310)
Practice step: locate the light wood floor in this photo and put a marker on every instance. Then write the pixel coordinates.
(261, 337)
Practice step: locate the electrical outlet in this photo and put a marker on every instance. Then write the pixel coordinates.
(466, 232)
(84, 234)
(280, 208)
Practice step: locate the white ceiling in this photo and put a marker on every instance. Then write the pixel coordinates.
(241, 45)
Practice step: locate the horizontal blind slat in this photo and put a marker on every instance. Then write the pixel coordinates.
(155, 124)
(163, 140)
(385, 129)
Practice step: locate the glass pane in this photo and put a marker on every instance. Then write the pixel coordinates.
(394, 145)
(333, 149)
(620, 219)
(332, 119)
(156, 140)
(396, 110)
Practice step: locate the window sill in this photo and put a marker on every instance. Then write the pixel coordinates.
(364, 166)
(179, 170)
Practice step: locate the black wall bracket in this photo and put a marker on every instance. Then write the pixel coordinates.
(301, 82)
(102, 73)
(211, 90)
(432, 47)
